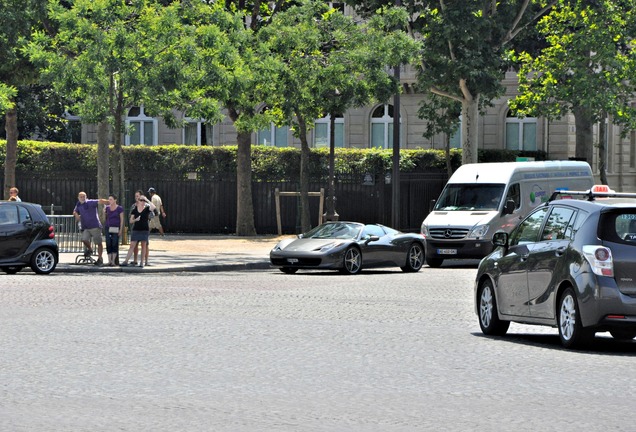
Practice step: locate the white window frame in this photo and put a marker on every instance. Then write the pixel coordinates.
(272, 136)
(522, 122)
(200, 124)
(385, 120)
(142, 118)
(327, 120)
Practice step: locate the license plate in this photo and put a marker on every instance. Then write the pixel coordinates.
(447, 251)
(292, 260)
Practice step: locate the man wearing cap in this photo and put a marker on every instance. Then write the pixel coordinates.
(155, 222)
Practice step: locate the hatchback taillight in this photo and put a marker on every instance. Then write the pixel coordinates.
(51, 232)
(600, 259)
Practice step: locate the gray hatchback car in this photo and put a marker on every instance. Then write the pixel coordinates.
(570, 264)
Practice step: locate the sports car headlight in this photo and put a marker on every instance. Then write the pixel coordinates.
(479, 231)
(277, 248)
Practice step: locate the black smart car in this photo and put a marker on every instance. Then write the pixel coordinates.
(26, 238)
(570, 264)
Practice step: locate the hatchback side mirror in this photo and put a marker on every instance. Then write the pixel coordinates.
(500, 238)
(509, 207)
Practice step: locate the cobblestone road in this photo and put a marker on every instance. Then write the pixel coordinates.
(264, 351)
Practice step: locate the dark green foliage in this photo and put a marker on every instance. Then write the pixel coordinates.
(268, 163)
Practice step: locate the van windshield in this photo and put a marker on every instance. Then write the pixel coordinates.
(470, 197)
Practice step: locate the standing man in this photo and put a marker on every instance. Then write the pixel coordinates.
(155, 223)
(85, 212)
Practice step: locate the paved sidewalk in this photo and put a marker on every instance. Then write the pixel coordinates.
(191, 253)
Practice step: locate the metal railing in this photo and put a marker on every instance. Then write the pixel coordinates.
(67, 233)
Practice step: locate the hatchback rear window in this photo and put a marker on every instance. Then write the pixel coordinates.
(619, 227)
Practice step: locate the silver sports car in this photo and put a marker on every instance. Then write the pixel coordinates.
(348, 247)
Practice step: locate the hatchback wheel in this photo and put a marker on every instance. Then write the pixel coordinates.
(571, 332)
(488, 317)
(352, 261)
(43, 261)
(414, 258)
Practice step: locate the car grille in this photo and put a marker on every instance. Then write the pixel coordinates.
(302, 262)
(447, 233)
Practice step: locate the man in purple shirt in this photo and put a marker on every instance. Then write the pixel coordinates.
(85, 212)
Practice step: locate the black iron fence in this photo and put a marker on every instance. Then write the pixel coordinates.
(208, 205)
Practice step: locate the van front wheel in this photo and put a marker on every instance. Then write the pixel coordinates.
(434, 262)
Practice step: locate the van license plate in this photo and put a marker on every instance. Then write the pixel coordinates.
(447, 251)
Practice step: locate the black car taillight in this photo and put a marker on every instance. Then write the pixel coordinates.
(51, 232)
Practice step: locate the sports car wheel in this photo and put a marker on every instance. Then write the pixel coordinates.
(571, 332)
(352, 262)
(43, 261)
(488, 318)
(414, 258)
(434, 262)
(11, 270)
(288, 270)
(623, 335)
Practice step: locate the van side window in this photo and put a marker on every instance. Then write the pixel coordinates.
(514, 193)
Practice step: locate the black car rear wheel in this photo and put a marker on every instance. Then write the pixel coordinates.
(571, 331)
(352, 261)
(43, 261)
(414, 258)
(11, 269)
(488, 317)
(288, 270)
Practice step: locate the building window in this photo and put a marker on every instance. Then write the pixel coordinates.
(141, 129)
(382, 127)
(521, 133)
(196, 132)
(273, 136)
(73, 128)
(456, 136)
(321, 132)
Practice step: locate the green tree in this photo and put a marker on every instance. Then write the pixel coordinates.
(248, 73)
(586, 69)
(109, 55)
(463, 56)
(18, 17)
(328, 63)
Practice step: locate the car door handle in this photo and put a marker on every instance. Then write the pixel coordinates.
(560, 251)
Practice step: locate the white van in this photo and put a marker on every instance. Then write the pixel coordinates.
(475, 203)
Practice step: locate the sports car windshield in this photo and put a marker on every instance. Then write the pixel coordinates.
(335, 231)
(470, 197)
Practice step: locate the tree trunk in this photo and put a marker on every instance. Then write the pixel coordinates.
(244, 205)
(117, 168)
(602, 146)
(11, 157)
(470, 129)
(305, 219)
(102, 161)
(584, 137)
(331, 214)
(449, 166)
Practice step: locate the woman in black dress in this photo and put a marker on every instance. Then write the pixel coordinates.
(139, 220)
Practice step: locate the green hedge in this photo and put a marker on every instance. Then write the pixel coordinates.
(267, 162)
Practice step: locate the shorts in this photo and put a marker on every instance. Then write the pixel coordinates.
(155, 223)
(139, 236)
(94, 234)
